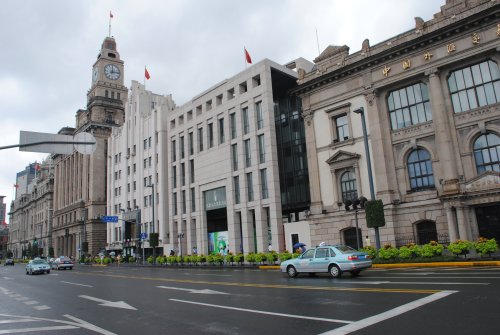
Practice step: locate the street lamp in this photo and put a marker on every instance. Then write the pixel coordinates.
(153, 214)
(361, 111)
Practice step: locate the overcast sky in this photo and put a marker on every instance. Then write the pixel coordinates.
(48, 48)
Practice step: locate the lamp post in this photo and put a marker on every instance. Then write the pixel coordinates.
(153, 214)
(361, 111)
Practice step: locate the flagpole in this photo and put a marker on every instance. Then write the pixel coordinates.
(144, 78)
(110, 17)
(244, 57)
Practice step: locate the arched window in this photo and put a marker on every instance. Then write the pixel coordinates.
(426, 232)
(475, 86)
(420, 170)
(348, 186)
(409, 105)
(487, 153)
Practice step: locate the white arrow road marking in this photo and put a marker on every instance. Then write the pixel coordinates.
(67, 282)
(204, 291)
(116, 304)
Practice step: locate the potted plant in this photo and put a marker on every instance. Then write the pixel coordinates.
(460, 247)
(485, 246)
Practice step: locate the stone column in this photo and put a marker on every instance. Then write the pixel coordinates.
(312, 162)
(463, 224)
(443, 135)
(452, 224)
(247, 228)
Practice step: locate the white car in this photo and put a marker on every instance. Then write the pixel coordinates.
(62, 262)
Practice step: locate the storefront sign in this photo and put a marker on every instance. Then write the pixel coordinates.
(215, 198)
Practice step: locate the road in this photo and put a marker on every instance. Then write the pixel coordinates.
(205, 300)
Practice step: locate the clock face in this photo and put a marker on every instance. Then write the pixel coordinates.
(112, 71)
(95, 74)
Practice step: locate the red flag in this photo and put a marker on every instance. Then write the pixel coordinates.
(247, 57)
(110, 15)
(16, 186)
(146, 74)
(37, 167)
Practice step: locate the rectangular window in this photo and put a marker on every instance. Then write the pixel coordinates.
(193, 200)
(134, 168)
(259, 115)
(145, 144)
(236, 185)
(200, 139)
(134, 185)
(174, 153)
(234, 156)
(149, 142)
(181, 146)
(190, 143)
(128, 187)
(262, 149)
(246, 124)
(150, 162)
(232, 119)
(174, 177)
(145, 163)
(191, 171)
(183, 174)
(128, 170)
(249, 186)
(145, 181)
(248, 154)
(183, 202)
(210, 135)
(341, 127)
(174, 203)
(146, 201)
(263, 181)
(221, 131)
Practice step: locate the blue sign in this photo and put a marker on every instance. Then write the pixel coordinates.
(109, 218)
(144, 236)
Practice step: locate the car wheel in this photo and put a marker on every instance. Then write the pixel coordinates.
(355, 273)
(48, 271)
(31, 272)
(27, 273)
(292, 272)
(334, 271)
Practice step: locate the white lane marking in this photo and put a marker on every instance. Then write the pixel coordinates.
(36, 329)
(89, 326)
(262, 312)
(7, 278)
(438, 277)
(107, 303)
(16, 321)
(31, 302)
(22, 299)
(85, 285)
(206, 274)
(411, 282)
(190, 290)
(41, 308)
(355, 326)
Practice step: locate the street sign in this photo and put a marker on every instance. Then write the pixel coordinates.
(84, 143)
(144, 236)
(109, 218)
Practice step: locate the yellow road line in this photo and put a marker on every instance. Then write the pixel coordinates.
(298, 287)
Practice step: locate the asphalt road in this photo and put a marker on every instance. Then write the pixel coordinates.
(204, 300)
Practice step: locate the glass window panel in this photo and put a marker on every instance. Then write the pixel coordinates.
(421, 111)
(397, 100)
(390, 101)
(495, 72)
(406, 115)
(431, 180)
(404, 98)
(480, 142)
(428, 111)
(417, 170)
(411, 171)
(414, 115)
(493, 139)
(423, 168)
(460, 80)
(464, 102)
(413, 183)
(394, 123)
(486, 156)
(425, 93)
(399, 115)
(456, 103)
(494, 154)
(490, 93)
(476, 74)
(413, 157)
(418, 93)
(496, 86)
(468, 77)
(411, 95)
(452, 83)
(485, 72)
(472, 98)
(419, 182)
(481, 96)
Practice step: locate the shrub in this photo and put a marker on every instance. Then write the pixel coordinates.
(372, 251)
(229, 258)
(251, 257)
(202, 258)
(460, 247)
(210, 259)
(388, 252)
(186, 259)
(179, 259)
(432, 249)
(131, 259)
(172, 260)
(271, 257)
(405, 252)
(239, 258)
(161, 259)
(259, 257)
(150, 259)
(284, 256)
(218, 258)
(485, 246)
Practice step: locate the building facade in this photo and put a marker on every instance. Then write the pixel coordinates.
(80, 179)
(431, 100)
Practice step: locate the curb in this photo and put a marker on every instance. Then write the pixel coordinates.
(438, 264)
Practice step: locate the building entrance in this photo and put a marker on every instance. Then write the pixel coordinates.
(217, 229)
(488, 221)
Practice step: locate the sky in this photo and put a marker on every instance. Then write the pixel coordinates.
(48, 48)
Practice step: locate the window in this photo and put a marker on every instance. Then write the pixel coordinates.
(134, 185)
(341, 128)
(181, 146)
(174, 153)
(145, 181)
(262, 149)
(191, 171)
(232, 118)
(200, 139)
(236, 185)
(174, 177)
(183, 174)
(263, 180)
(149, 141)
(174, 203)
(146, 201)
(183, 200)
(134, 168)
(234, 155)
(145, 163)
(249, 186)
(409, 105)
(221, 131)
(348, 186)
(150, 162)
(475, 86)
(190, 143)
(246, 124)
(322, 253)
(259, 115)
(487, 153)
(210, 135)
(420, 170)
(145, 144)
(248, 157)
(193, 202)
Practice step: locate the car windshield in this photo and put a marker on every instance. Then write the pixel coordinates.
(39, 261)
(345, 249)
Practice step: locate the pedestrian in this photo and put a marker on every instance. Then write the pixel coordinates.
(195, 251)
(368, 242)
(270, 247)
(172, 252)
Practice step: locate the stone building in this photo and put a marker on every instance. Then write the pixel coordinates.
(80, 180)
(431, 100)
